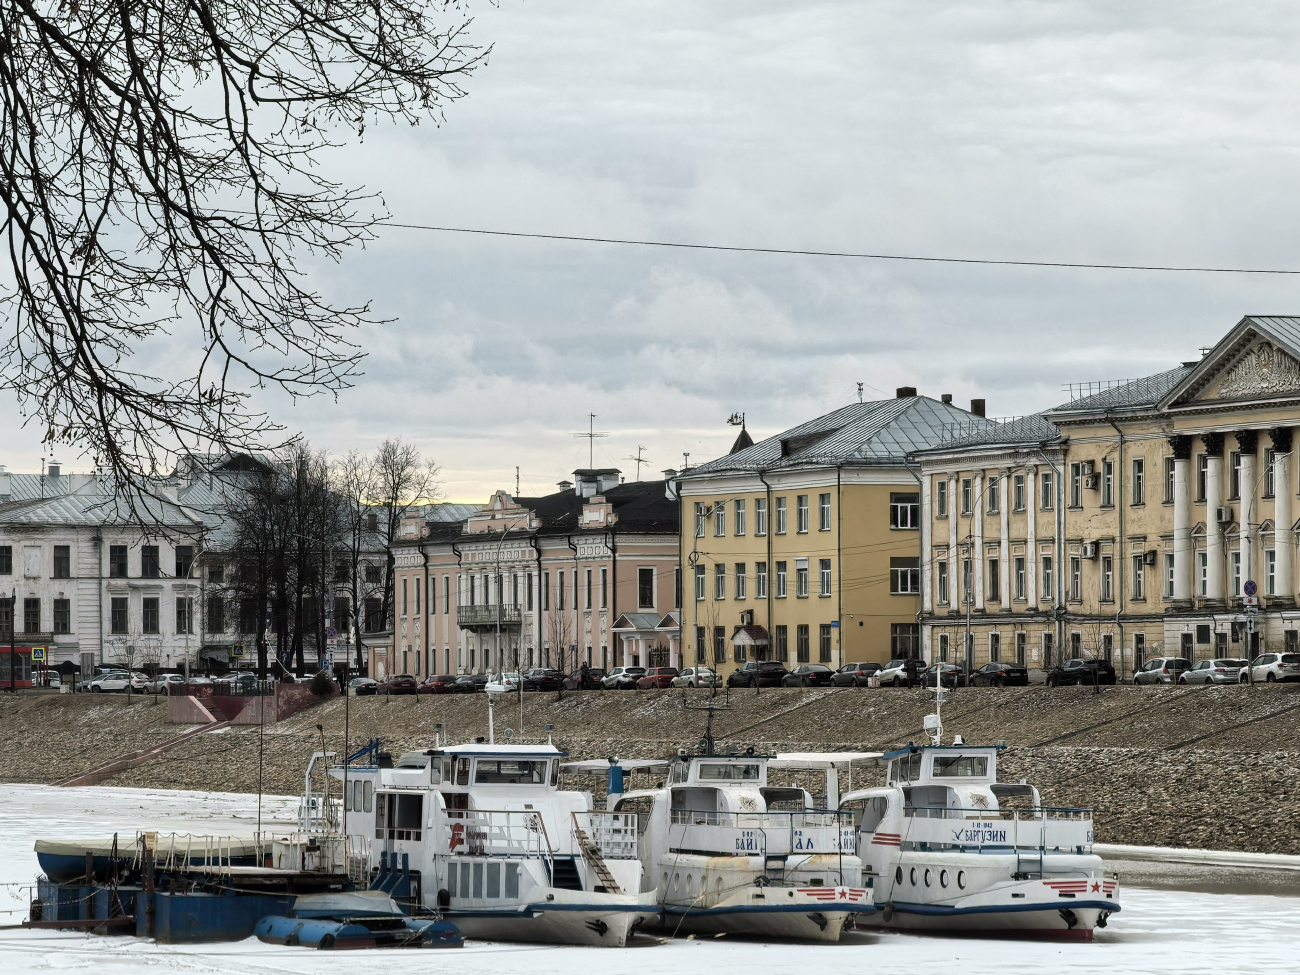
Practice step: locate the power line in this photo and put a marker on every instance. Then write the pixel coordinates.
(853, 255)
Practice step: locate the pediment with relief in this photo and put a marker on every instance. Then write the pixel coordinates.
(1262, 370)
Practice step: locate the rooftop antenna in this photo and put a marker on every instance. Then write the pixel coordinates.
(591, 435)
(859, 392)
(516, 480)
(639, 461)
(686, 460)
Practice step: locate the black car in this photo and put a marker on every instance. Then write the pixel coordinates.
(808, 675)
(591, 679)
(473, 683)
(1000, 675)
(855, 675)
(758, 673)
(1080, 672)
(949, 674)
(543, 679)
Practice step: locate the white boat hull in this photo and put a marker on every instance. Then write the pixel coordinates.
(570, 917)
(806, 914)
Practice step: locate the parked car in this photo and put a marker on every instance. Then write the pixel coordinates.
(591, 679)
(697, 677)
(656, 677)
(758, 673)
(1080, 671)
(473, 683)
(398, 684)
(1161, 670)
(855, 675)
(363, 686)
(543, 679)
(808, 675)
(200, 681)
(163, 683)
(1272, 667)
(894, 673)
(622, 678)
(113, 680)
(46, 678)
(1225, 670)
(947, 675)
(440, 684)
(1000, 674)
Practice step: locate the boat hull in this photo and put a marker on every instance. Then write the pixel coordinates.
(561, 917)
(805, 914)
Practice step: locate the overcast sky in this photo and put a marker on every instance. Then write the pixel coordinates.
(1105, 132)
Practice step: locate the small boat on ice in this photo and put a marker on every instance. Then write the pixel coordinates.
(360, 919)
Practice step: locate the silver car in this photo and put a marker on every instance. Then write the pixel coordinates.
(1271, 667)
(1225, 670)
(1162, 670)
(894, 673)
(697, 677)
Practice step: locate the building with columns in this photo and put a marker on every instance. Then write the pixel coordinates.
(1127, 522)
(585, 575)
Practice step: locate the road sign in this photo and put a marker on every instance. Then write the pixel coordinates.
(38, 654)
(1250, 588)
(236, 650)
(1250, 602)
(331, 633)
(835, 624)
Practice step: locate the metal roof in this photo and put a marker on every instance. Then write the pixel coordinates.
(1136, 393)
(1035, 429)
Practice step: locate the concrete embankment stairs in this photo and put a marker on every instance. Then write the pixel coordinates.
(138, 757)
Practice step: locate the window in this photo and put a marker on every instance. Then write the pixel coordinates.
(993, 587)
(1107, 483)
(645, 587)
(1076, 485)
(904, 511)
(63, 616)
(1018, 566)
(904, 640)
(31, 615)
(217, 574)
(1235, 562)
(719, 519)
(117, 614)
(1018, 493)
(1234, 474)
(1108, 646)
(342, 571)
(1076, 644)
(760, 580)
(404, 593)
(720, 644)
(941, 498)
(801, 506)
(995, 648)
(824, 643)
(1169, 480)
(905, 575)
(701, 645)
(1076, 578)
(185, 615)
(824, 512)
(216, 621)
(967, 581)
(446, 594)
(1139, 480)
(700, 515)
(967, 495)
(1169, 575)
(1270, 572)
(374, 615)
(248, 616)
(1270, 480)
(1022, 648)
(760, 516)
(699, 582)
(780, 516)
(719, 581)
(1202, 469)
(801, 578)
(943, 648)
(415, 584)
(342, 614)
(824, 577)
(740, 584)
(991, 490)
(117, 561)
(6, 560)
(941, 576)
(559, 589)
(782, 636)
(739, 508)
(1107, 579)
(62, 561)
(1047, 577)
(1139, 577)
(780, 580)
(1049, 643)
(801, 643)
(149, 614)
(185, 563)
(1203, 571)
(1047, 499)
(150, 564)
(546, 589)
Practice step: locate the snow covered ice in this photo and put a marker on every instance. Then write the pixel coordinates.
(1158, 931)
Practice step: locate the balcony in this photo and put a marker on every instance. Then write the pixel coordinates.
(476, 617)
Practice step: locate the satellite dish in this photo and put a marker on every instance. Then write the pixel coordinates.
(510, 733)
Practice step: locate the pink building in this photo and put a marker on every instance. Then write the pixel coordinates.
(588, 574)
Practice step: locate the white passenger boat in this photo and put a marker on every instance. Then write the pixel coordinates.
(948, 848)
(724, 852)
(487, 839)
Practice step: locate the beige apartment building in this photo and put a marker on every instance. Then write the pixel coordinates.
(585, 575)
(806, 547)
(1127, 522)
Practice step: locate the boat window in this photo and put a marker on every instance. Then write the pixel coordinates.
(494, 880)
(729, 771)
(555, 775)
(462, 771)
(464, 880)
(960, 766)
(907, 769)
(446, 770)
(369, 796)
(398, 816)
(478, 880)
(681, 771)
(512, 880)
(451, 878)
(511, 771)
(435, 773)
(873, 811)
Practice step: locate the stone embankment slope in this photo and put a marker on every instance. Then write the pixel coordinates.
(1202, 767)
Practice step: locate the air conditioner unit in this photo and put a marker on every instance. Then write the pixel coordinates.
(1089, 468)
(1092, 482)
(1224, 515)
(1149, 558)
(747, 618)
(1089, 550)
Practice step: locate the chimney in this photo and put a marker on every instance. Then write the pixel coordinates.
(904, 392)
(946, 398)
(55, 468)
(6, 485)
(565, 486)
(670, 485)
(977, 407)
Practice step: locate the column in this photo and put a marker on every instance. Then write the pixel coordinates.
(1182, 450)
(977, 545)
(1031, 538)
(926, 549)
(1248, 444)
(1004, 539)
(1213, 500)
(1283, 539)
(954, 555)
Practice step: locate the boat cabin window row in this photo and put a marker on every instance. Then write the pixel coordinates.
(360, 795)
(478, 881)
(961, 766)
(718, 772)
(503, 771)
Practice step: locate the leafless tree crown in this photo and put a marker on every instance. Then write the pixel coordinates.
(159, 183)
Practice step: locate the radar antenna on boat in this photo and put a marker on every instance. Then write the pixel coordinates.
(933, 723)
(707, 743)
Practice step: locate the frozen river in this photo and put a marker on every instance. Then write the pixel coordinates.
(1158, 931)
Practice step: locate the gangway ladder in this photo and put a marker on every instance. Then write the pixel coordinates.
(1029, 864)
(591, 851)
(774, 867)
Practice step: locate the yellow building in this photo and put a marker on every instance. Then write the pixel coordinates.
(1127, 522)
(805, 547)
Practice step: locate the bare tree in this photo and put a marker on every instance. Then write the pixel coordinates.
(400, 480)
(158, 174)
(353, 481)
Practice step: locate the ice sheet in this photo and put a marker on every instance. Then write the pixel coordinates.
(1159, 931)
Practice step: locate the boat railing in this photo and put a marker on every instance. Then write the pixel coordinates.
(1042, 829)
(1036, 813)
(614, 834)
(764, 820)
(773, 833)
(492, 832)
